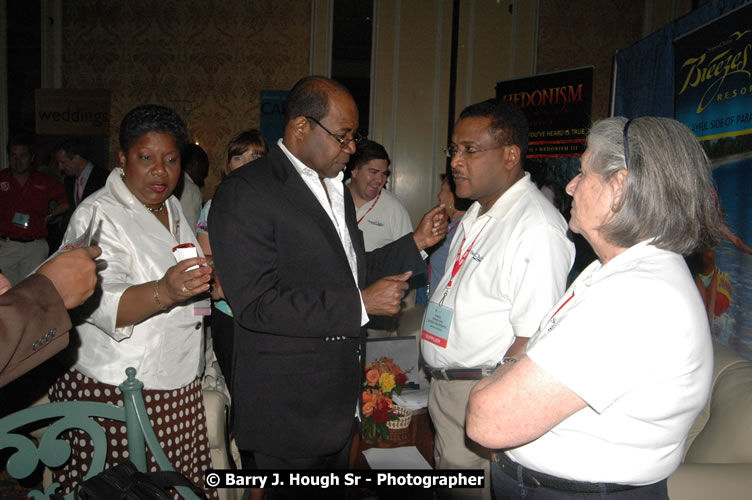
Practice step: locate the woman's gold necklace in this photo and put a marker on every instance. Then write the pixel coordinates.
(155, 210)
(152, 210)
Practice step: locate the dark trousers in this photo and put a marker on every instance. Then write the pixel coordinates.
(506, 488)
(337, 461)
(222, 328)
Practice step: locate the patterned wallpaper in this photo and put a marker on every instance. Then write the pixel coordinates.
(206, 59)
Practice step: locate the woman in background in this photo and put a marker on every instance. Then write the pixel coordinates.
(242, 149)
(603, 400)
(245, 147)
(455, 208)
(144, 313)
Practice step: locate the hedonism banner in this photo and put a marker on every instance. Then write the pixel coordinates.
(713, 97)
(557, 106)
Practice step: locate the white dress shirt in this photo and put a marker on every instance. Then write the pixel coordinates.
(334, 206)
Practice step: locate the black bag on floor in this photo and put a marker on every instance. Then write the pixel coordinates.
(125, 482)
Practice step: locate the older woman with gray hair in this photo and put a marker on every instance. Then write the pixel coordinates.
(603, 399)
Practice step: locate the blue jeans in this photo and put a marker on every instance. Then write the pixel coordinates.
(506, 488)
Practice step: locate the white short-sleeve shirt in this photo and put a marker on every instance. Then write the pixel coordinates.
(516, 271)
(631, 338)
(383, 220)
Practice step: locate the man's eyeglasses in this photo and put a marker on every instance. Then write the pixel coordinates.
(342, 139)
(451, 151)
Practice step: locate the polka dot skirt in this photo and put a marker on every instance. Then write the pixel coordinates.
(177, 416)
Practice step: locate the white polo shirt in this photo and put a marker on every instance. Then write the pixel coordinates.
(516, 271)
(383, 220)
(633, 342)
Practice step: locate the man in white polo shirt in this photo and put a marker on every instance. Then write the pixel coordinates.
(381, 217)
(507, 266)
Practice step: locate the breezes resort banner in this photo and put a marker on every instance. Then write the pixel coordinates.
(713, 83)
(713, 97)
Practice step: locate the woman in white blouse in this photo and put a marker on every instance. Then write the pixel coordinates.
(146, 312)
(601, 403)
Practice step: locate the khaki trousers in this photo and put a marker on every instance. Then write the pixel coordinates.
(447, 401)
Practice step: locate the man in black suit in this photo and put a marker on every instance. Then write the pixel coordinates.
(292, 264)
(81, 176)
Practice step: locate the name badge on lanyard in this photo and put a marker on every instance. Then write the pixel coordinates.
(438, 319)
(21, 220)
(436, 324)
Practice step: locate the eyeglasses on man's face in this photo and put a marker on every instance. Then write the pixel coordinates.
(468, 152)
(342, 139)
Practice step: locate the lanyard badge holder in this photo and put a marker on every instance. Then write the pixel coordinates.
(438, 319)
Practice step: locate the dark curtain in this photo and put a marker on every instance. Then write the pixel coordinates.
(645, 70)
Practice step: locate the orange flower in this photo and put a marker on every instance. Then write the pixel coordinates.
(367, 397)
(390, 365)
(368, 408)
(372, 376)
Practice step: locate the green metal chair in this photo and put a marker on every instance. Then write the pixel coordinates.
(66, 415)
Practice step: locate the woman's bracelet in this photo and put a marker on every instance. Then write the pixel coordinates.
(156, 296)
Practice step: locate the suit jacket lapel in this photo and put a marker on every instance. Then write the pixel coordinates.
(299, 195)
(355, 237)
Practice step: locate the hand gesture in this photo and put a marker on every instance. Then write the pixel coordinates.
(73, 274)
(384, 297)
(432, 228)
(4, 284)
(179, 284)
(217, 293)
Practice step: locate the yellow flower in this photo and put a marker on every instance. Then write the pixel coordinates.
(386, 382)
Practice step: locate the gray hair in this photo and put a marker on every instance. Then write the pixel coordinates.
(668, 194)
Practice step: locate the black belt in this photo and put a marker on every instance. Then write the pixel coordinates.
(17, 240)
(535, 479)
(459, 373)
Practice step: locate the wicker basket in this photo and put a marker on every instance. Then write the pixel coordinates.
(399, 432)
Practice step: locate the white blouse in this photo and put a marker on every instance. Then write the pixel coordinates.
(166, 348)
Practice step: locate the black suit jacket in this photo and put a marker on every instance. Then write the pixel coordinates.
(296, 371)
(97, 179)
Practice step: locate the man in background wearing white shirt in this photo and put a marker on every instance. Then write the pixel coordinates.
(381, 216)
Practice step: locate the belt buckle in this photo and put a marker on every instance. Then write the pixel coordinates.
(529, 480)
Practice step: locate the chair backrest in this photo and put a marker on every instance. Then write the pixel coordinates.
(721, 431)
(65, 415)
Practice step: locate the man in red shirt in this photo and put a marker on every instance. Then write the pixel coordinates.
(25, 196)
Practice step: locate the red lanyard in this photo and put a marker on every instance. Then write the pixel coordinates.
(462, 257)
(452, 227)
(562, 306)
(371, 207)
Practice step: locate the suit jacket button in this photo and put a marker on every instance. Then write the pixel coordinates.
(198, 326)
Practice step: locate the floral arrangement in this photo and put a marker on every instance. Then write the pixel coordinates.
(383, 377)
